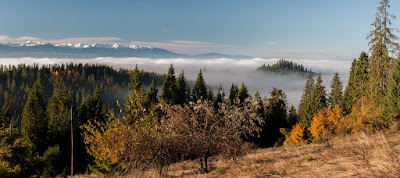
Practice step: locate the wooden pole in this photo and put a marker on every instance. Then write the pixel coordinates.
(72, 146)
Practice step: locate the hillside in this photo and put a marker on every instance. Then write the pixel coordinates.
(286, 67)
(352, 156)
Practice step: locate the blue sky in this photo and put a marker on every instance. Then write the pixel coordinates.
(333, 29)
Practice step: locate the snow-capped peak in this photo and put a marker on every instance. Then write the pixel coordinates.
(135, 46)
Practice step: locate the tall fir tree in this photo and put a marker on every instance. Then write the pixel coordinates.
(276, 114)
(306, 103)
(183, 95)
(59, 127)
(151, 95)
(357, 83)
(34, 122)
(392, 94)
(233, 92)
(336, 95)
(168, 90)
(219, 98)
(242, 93)
(210, 95)
(59, 114)
(135, 83)
(319, 95)
(5, 115)
(199, 90)
(382, 43)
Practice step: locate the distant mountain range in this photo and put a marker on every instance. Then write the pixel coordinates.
(79, 50)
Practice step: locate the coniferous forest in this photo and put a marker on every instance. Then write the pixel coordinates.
(286, 67)
(65, 119)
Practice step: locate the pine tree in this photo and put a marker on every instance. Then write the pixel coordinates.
(306, 102)
(5, 115)
(357, 84)
(336, 95)
(135, 83)
(392, 94)
(168, 90)
(96, 107)
(242, 93)
(59, 113)
(199, 90)
(276, 114)
(233, 92)
(210, 95)
(220, 97)
(319, 95)
(183, 95)
(382, 43)
(292, 116)
(34, 122)
(151, 95)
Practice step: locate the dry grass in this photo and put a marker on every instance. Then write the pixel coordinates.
(362, 155)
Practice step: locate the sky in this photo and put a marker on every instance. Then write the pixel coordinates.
(307, 29)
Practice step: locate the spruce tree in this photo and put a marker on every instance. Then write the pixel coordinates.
(382, 43)
(96, 107)
(34, 122)
(242, 93)
(168, 90)
(59, 113)
(135, 83)
(220, 97)
(199, 90)
(183, 95)
(292, 116)
(5, 115)
(319, 95)
(336, 95)
(392, 94)
(151, 95)
(306, 103)
(233, 92)
(276, 114)
(357, 84)
(210, 95)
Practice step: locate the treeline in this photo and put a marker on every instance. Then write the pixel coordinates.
(370, 101)
(81, 81)
(286, 67)
(149, 131)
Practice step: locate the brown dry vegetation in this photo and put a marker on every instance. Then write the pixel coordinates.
(362, 155)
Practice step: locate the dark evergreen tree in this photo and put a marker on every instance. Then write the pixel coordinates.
(392, 94)
(210, 95)
(34, 122)
(59, 114)
(276, 118)
(5, 115)
(357, 84)
(199, 90)
(306, 103)
(168, 90)
(183, 95)
(220, 98)
(233, 92)
(292, 116)
(318, 95)
(336, 95)
(242, 93)
(151, 95)
(96, 108)
(135, 84)
(382, 43)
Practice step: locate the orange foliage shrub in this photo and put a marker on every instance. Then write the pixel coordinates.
(297, 135)
(364, 117)
(325, 123)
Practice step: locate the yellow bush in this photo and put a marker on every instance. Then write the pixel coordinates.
(325, 123)
(297, 135)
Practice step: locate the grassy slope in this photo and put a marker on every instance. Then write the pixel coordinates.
(361, 156)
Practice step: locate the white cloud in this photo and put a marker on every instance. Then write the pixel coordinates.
(220, 71)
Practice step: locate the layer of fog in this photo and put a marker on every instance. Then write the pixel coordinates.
(222, 72)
